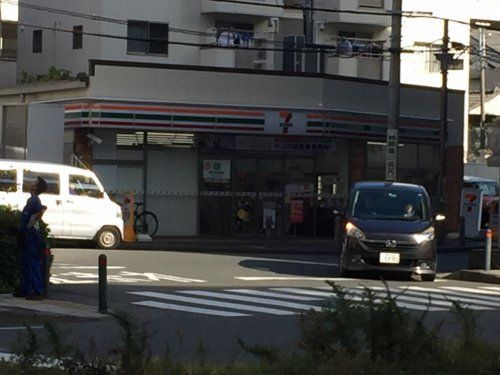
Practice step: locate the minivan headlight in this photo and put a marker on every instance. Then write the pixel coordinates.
(425, 236)
(353, 231)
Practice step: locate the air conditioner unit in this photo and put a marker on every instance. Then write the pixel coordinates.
(273, 25)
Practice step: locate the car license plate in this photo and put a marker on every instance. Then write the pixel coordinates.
(389, 258)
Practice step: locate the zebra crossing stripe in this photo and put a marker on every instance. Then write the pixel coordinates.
(356, 298)
(476, 297)
(439, 294)
(212, 303)
(196, 310)
(305, 292)
(272, 295)
(291, 305)
(426, 298)
(473, 291)
(494, 288)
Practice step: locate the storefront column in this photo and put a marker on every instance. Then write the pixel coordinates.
(145, 173)
(453, 182)
(358, 161)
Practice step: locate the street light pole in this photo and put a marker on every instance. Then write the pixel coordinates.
(391, 164)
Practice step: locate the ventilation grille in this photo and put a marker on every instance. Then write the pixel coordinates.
(155, 139)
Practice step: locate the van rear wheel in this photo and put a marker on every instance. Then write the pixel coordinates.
(108, 238)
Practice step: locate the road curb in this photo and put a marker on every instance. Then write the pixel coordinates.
(478, 276)
(51, 307)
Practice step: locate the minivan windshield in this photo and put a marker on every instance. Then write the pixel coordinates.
(390, 204)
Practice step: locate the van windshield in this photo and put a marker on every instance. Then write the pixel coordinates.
(387, 204)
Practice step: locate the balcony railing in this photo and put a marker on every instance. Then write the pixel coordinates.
(221, 7)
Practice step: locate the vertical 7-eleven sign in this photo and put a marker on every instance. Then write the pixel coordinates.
(471, 208)
(286, 121)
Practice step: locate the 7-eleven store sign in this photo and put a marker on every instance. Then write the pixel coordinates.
(471, 208)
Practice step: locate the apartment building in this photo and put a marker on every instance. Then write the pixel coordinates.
(209, 106)
(8, 44)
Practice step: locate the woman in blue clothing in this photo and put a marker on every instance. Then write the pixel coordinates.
(31, 242)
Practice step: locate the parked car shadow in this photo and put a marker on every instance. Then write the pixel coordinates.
(292, 267)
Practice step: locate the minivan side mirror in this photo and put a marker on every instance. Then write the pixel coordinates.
(339, 211)
(440, 217)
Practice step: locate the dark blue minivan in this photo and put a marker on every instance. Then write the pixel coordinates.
(389, 227)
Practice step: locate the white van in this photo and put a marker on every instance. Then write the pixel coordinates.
(77, 206)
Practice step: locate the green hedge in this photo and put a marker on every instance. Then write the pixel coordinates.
(10, 264)
(9, 254)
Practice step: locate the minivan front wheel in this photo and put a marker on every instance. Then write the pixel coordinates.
(428, 277)
(108, 238)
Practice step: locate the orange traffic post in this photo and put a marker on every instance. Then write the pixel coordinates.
(129, 218)
(487, 260)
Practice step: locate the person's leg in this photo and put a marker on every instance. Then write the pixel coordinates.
(34, 266)
(26, 285)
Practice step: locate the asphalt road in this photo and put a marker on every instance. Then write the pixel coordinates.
(204, 303)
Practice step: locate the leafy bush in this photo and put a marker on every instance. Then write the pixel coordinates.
(10, 262)
(9, 254)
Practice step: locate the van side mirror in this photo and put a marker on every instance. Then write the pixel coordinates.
(440, 217)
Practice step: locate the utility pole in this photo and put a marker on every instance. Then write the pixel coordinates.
(311, 60)
(445, 59)
(391, 163)
(482, 52)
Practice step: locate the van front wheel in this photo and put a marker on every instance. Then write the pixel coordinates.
(108, 238)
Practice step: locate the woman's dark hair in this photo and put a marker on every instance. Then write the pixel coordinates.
(41, 185)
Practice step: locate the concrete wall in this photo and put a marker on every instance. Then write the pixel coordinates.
(45, 135)
(8, 71)
(57, 47)
(482, 170)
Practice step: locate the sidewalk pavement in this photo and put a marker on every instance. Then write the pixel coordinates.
(477, 276)
(289, 245)
(50, 307)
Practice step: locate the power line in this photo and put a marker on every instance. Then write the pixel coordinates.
(118, 21)
(409, 14)
(312, 49)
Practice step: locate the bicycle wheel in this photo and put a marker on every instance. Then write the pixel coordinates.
(146, 223)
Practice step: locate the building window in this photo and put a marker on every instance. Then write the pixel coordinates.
(429, 51)
(371, 3)
(9, 41)
(37, 41)
(77, 37)
(231, 34)
(147, 38)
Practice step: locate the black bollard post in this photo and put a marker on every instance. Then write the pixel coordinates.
(103, 284)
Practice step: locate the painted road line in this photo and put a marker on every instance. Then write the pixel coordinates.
(196, 310)
(58, 280)
(423, 298)
(264, 301)
(289, 278)
(261, 293)
(18, 328)
(151, 276)
(64, 267)
(205, 302)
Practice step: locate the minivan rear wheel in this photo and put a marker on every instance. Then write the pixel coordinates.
(108, 238)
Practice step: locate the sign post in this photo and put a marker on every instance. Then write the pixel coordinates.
(391, 171)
